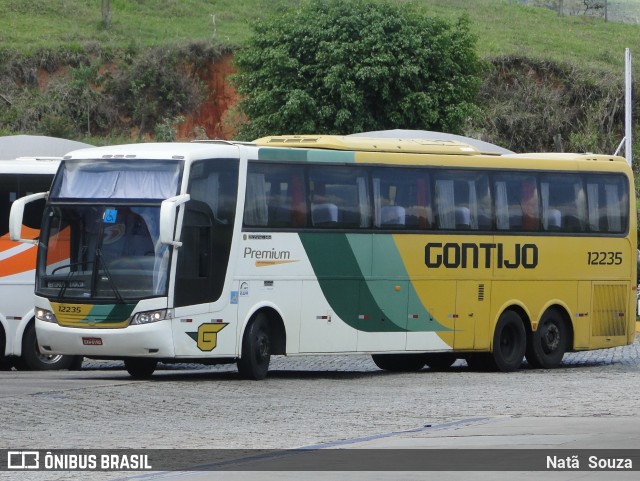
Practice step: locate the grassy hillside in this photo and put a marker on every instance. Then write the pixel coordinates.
(63, 73)
(503, 27)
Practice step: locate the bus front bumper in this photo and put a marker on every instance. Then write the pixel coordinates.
(147, 340)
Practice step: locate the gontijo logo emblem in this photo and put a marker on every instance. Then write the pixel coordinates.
(207, 336)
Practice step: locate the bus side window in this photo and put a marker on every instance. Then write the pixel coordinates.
(563, 203)
(275, 196)
(516, 202)
(346, 188)
(607, 204)
(402, 199)
(463, 201)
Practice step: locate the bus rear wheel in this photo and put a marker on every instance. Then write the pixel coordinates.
(509, 342)
(399, 362)
(440, 360)
(547, 344)
(139, 367)
(256, 350)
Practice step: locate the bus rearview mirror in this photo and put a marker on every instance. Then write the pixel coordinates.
(17, 214)
(168, 214)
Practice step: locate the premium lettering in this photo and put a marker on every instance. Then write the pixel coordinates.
(272, 254)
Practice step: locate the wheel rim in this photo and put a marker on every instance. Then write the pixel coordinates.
(47, 358)
(263, 348)
(550, 338)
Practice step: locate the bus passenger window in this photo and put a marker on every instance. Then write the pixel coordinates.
(275, 196)
(339, 197)
(463, 201)
(607, 200)
(402, 198)
(516, 202)
(565, 194)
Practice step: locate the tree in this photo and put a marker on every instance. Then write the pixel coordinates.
(343, 66)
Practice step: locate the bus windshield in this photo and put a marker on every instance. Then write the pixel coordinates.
(100, 236)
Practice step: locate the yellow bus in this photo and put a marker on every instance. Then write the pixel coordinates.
(418, 252)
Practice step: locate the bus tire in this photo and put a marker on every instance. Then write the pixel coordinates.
(399, 362)
(547, 344)
(439, 361)
(34, 360)
(76, 363)
(509, 342)
(253, 363)
(140, 367)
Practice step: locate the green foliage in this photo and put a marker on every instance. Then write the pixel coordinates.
(166, 130)
(348, 66)
(526, 102)
(82, 98)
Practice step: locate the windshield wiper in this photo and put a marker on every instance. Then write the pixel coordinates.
(112, 284)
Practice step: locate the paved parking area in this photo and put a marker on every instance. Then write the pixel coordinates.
(322, 401)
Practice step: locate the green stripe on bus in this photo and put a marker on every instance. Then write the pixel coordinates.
(107, 313)
(389, 271)
(367, 304)
(295, 155)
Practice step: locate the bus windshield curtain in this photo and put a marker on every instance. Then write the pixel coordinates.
(118, 184)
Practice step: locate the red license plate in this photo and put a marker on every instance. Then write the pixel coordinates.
(92, 341)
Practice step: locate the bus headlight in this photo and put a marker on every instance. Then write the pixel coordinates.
(149, 317)
(45, 315)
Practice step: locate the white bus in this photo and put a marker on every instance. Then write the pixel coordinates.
(417, 252)
(18, 345)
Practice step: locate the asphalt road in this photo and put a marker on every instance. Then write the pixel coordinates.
(344, 402)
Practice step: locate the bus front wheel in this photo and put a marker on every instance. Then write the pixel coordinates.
(509, 342)
(547, 344)
(35, 360)
(139, 367)
(256, 350)
(399, 362)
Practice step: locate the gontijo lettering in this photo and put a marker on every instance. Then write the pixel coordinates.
(471, 255)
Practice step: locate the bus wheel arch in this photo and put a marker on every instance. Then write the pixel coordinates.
(553, 337)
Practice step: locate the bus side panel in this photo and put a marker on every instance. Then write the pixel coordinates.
(17, 262)
(199, 331)
(283, 296)
(321, 329)
(432, 308)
